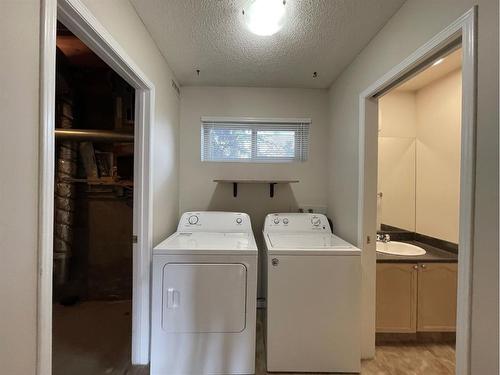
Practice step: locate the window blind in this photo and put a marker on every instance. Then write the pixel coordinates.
(259, 142)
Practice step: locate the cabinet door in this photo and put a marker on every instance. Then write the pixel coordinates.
(396, 297)
(437, 297)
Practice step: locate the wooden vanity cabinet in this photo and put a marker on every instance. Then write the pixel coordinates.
(396, 297)
(437, 297)
(413, 297)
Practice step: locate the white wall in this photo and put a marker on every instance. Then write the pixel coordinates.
(19, 81)
(438, 157)
(197, 189)
(19, 38)
(415, 23)
(396, 160)
(122, 21)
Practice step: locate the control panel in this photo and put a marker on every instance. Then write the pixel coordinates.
(296, 222)
(214, 221)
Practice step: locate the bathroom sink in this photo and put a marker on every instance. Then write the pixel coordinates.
(399, 248)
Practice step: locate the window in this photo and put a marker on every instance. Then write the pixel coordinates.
(251, 140)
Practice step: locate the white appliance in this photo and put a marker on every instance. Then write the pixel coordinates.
(204, 297)
(313, 293)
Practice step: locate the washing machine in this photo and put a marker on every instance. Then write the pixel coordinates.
(313, 294)
(204, 297)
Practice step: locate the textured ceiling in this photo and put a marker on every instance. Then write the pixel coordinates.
(210, 35)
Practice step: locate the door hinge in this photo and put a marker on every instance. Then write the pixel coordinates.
(134, 238)
(368, 239)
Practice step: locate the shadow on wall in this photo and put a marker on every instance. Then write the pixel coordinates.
(254, 200)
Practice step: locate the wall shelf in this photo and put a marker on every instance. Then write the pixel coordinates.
(271, 183)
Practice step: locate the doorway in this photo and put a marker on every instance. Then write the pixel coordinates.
(93, 213)
(417, 245)
(462, 33)
(80, 22)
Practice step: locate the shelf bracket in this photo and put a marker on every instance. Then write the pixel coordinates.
(271, 184)
(271, 189)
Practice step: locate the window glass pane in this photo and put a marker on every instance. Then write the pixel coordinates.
(230, 144)
(275, 144)
(258, 142)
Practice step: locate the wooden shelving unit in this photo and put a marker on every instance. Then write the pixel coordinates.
(271, 183)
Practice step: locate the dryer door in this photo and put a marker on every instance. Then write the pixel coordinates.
(204, 297)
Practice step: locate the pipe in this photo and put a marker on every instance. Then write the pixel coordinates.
(93, 135)
(64, 199)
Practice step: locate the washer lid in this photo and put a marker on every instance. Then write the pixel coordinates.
(207, 243)
(307, 243)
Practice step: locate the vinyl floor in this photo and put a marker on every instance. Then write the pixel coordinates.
(94, 338)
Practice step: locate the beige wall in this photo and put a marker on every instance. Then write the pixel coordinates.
(397, 115)
(396, 160)
(416, 22)
(197, 189)
(438, 157)
(419, 158)
(19, 81)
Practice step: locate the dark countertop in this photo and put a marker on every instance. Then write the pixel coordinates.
(433, 255)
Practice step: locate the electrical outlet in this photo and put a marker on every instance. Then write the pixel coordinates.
(313, 209)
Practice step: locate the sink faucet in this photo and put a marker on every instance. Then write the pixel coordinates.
(383, 238)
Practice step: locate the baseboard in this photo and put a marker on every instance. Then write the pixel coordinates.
(412, 338)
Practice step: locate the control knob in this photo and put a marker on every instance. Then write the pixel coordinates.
(193, 219)
(239, 220)
(316, 221)
(276, 221)
(285, 221)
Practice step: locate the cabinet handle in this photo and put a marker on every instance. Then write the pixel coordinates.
(423, 266)
(415, 267)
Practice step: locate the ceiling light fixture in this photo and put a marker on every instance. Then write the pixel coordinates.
(265, 17)
(438, 62)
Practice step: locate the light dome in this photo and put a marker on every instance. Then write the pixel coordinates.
(265, 17)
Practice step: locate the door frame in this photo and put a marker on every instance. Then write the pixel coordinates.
(77, 18)
(464, 29)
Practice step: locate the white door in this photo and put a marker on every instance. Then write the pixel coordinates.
(202, 298)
